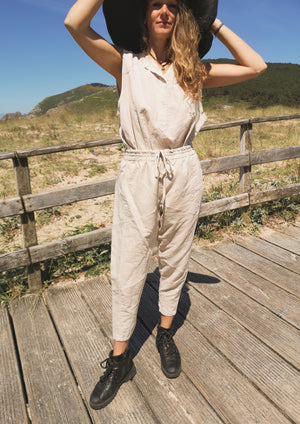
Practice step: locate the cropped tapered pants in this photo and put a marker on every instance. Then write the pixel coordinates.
(157, 202)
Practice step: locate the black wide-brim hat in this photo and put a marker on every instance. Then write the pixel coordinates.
(123, 18)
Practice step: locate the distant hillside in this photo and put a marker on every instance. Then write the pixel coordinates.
(67, 97)
(278, 85)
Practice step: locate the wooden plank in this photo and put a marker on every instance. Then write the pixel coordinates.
(230, 393)
(86, 346)
(282, 240)
(272, 272)
(221, 205)
(240, 122)
(22, 179)
(225, 163)
(245, 147)
(10, 207)
(12, 400)
(278, 380)
(53, 395)
(7, 155)
(70, 244)
(272, 252)
(71, 194)
(290, 230)
(274, 155)
(176, 398)
(26, 153)
(13, 260)
(275, 194)
(282, 303)
(276, 333)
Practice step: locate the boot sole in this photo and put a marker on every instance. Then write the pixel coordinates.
(128, 377)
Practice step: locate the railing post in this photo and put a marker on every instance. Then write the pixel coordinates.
(23, 185)
(245, 147)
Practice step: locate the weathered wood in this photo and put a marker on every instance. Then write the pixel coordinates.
(86, 347)
(245, 147)
(290, 230)
(70, 244)
(225, 163)
(274, 377)
(12, 401)
(230, 394)
(276, 333)
(10, 207)
(272, 252)
(274, 155)
(7, 155)
(52, 392)
(22, 178)
(283, 240)
(275, 194)
(262, 291)
(226, 204)
(175, 398)
(14, 260)
(272, 272)
(240, 122)
(67, 147)
(71, 194)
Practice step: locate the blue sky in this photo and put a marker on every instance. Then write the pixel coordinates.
(39, 58)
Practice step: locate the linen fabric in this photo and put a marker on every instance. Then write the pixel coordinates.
(158, 190)
(154, 112)
(157, 201)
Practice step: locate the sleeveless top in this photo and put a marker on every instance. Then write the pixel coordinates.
(154, 112)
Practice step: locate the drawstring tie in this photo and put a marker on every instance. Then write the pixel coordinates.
(167, 172)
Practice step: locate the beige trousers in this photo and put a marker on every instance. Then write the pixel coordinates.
(157, 202)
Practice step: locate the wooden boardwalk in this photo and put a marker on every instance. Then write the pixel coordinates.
(237, 330)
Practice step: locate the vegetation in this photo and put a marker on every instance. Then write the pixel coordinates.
(91, 114)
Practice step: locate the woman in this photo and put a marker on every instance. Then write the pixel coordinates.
(159, 186)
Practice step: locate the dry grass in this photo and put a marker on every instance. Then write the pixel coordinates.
(59, 169)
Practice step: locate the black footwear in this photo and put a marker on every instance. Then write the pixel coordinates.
(118, 370)
(169, 354)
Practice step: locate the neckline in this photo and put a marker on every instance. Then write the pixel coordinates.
(155, 67)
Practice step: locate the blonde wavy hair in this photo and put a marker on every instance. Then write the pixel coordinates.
(189, 71)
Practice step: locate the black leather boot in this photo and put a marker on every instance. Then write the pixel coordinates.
(118, 370)
(169, 354)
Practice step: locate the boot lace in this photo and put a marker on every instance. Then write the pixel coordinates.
(107, 365)
(167, 343)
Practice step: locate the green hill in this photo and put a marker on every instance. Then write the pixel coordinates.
(75, 94)
(279, 85)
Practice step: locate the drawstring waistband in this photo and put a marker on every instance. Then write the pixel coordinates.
(167, 172)
(163, 163)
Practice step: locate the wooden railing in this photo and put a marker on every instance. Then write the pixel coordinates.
(26, 203)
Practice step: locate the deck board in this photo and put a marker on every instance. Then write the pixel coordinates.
(13, 406)
(177, 398)
(87, 347)
(237, 329)
(53, 396)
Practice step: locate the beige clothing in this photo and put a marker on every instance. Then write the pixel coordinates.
(154, 112)
(142, 218)
(158, 190)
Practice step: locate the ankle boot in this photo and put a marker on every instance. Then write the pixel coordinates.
(118, 370)
(169, 354)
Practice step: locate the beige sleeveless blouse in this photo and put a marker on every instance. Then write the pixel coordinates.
(154, 112)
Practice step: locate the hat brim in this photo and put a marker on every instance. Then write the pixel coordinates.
(123, 22)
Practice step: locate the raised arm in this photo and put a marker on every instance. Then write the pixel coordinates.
(250, 63)
(78, 21)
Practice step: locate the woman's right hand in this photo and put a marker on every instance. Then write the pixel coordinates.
(77, 22)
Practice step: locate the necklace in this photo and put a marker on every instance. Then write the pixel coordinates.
(162, 63)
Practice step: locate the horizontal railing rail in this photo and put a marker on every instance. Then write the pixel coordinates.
(27, 203)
